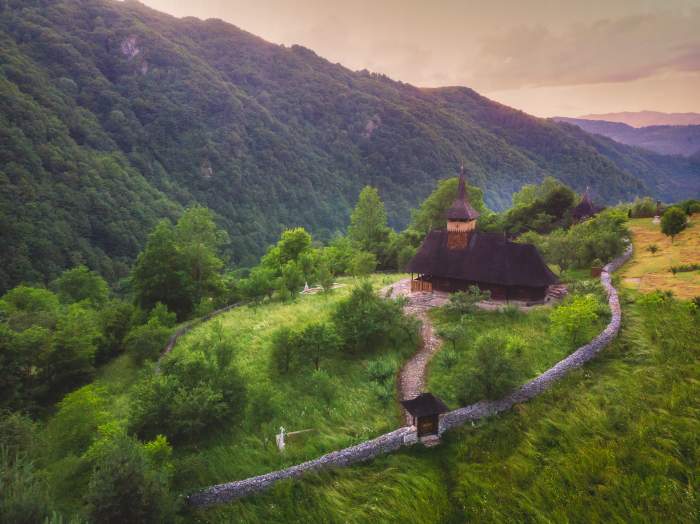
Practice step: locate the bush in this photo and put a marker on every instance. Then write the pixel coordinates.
(364, 320)
(147, 341)
(194, 393)
(126, 486)
(572, 320)
(464, 302)
(23, 494)
(381, 370)
(495, 368)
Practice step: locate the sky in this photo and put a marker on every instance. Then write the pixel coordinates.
(546, 57)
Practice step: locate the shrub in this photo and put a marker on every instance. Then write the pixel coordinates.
(573, 319)
(653, 248)
(381, 370)
(364, 320)
(126, 486)
(194, 393)
(147, 341)
(492, 371)
(464, 302)
(283, 349)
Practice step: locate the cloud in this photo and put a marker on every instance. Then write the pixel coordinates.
(607, 50)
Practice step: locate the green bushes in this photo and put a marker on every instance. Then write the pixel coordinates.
(673, 221)
(364, 321)
(684, 268)
(194, 391)
(464, 302)
(496, 367)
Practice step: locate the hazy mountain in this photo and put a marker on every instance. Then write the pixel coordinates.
(113, 115)
(648, 118)
(668, 140)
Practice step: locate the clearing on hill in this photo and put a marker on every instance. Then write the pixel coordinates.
(648, 271)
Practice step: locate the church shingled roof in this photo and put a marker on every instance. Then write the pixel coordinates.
(586, 208)
(487, 258)
(424, 405)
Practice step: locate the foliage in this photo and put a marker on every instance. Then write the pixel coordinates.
(193, 393)
(603, 237)
(126, 486)
(24, 498)
(464, 302)
(540, 208)
(96, 148)
(643, 208)
(147, 341)
(673, 221)
(682, 268)
(78, 284)
(495, 369)
(363, 263)
(368, 223)
(315, 341)
(575, 318)
(180, 264)
(690, 206)
(364, 320)
(652, 248)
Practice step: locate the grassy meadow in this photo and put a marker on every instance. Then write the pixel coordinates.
(616, 441)
(649, 271)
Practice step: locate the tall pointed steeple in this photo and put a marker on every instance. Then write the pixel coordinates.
(461, 210)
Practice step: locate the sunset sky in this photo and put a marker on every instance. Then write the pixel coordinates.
(546, 57)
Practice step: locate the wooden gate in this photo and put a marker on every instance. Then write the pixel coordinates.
(421, 285)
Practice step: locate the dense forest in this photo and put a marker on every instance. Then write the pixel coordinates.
(113, 116)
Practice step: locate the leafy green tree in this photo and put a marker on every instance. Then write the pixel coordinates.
(572, 320)
(24, 497)
(673, 221)
(72, 358)
(180, 264)
(291, 279)
(25, 306)
(364, 320)
(324, 277)
(194, 393)
(126, 486)
(494, 370)
(284, 349)
(259, 284)
(79, 283)
(146, 342)
(368, 223)
(316, 341)
(363, 263)
(115, 319)
(293, 243)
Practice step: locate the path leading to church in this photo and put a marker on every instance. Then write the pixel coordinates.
(412, 375)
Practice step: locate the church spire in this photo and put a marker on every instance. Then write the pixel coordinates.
(462, 189)
(461, 209)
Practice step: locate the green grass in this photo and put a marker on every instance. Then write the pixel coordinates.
(339, 403)
(542, 349)
(616, 441)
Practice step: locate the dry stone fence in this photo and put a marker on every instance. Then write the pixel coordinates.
(406, 435)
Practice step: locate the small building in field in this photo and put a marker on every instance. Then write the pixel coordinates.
(458, 257)
(425, 411)
(585, 209)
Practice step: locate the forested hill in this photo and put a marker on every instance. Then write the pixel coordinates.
(113, 115)
(681, 140)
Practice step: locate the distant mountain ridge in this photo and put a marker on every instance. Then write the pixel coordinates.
(668, 140)
(113, 116)
(647, 118)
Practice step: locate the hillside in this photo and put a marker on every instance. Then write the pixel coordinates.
(113, 115)
(648, 118)
(667, 140)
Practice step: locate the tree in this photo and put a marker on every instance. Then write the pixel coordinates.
(324, 277)
(363, 263)
(363, 320)
(126, 486)
(180, 264)
(316, 341)
(570, 321)
(283, 349)
(673, 221)
(78, 284)
(146, 342)
(368, 223)
(293, 243)
(494, 370)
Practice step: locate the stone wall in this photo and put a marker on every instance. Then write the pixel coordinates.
(406, 435)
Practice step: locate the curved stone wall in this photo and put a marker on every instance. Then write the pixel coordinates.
(406, 435)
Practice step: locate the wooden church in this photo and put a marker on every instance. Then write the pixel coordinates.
(458, 257)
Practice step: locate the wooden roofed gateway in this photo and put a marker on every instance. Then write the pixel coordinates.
(425, 410)
(458, 257)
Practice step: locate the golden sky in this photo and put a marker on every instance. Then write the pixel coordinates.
(545, 57)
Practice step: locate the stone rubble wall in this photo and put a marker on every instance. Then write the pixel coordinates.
(406, 435)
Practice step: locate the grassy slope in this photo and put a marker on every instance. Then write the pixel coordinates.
(648, 271)
(616, 441)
